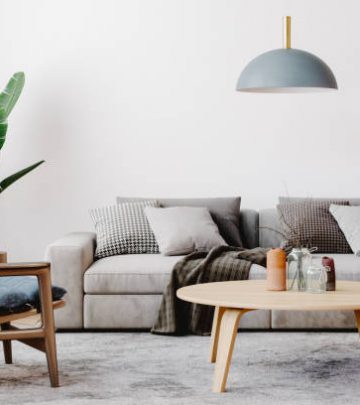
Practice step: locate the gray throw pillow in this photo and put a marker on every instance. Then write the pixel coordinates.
(309, 223)
(123, 229)
(182, 230)
(225, 211)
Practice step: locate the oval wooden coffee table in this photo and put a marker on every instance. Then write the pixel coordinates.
(232, 299)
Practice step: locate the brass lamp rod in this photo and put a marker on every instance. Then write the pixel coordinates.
(287, 32)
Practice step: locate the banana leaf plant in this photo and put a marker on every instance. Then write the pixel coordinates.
(8, 99)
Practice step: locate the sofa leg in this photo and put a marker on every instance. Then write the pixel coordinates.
(7, 345)
(357, 318)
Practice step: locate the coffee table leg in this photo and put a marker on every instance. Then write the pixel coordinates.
(215, 331)
(226, 340)
(357, 317)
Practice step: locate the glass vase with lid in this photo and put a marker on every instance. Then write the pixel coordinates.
(298, 262)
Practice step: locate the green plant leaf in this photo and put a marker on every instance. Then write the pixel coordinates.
(8, 99)
(10, 94)
(3, 129)
(16, 176)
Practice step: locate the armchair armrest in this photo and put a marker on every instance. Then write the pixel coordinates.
(70, 257)
(23, 269)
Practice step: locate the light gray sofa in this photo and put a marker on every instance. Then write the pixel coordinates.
(124, 292)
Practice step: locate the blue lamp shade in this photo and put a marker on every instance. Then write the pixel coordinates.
(286, 71)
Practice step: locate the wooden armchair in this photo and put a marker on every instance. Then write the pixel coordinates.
(42, 338)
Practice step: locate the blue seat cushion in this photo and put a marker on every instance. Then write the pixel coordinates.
(20, 293)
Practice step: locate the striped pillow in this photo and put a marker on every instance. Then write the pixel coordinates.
(123, 229)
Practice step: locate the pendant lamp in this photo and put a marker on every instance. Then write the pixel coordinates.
(286, 70)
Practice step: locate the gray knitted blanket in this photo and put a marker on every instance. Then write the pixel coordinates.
(223, 263)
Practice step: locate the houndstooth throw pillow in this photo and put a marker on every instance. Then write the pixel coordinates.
(123, 229)
(309, 223)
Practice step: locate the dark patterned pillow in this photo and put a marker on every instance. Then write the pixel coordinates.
(309, 223)
(123, 229)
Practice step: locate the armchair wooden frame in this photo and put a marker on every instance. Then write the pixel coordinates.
(42, 338)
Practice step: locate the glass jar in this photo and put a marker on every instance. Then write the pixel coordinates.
(298, 262)
(316, 279)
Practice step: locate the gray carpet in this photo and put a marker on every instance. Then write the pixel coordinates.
(139, 368)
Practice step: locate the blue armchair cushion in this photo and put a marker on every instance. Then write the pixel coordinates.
(20, 293)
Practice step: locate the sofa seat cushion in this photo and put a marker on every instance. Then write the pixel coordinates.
(347, 266)
(129, 274)
(257, 272)
(137, 274)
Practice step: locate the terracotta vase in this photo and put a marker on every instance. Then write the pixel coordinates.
(276, 270)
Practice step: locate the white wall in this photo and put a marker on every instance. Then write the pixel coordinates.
(127, 97)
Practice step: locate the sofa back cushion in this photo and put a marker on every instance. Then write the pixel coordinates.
(284, 200)
(225, 211)
(269, 226)
(249, 228)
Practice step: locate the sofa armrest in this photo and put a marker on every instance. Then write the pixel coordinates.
(70, 256)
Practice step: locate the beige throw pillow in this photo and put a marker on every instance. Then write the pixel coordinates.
(182, 230)
(348, 219)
